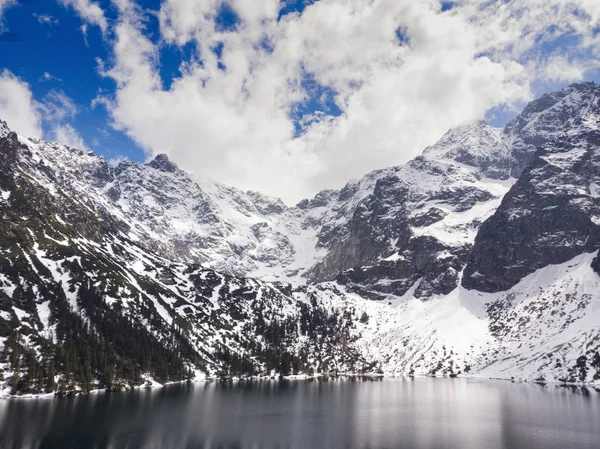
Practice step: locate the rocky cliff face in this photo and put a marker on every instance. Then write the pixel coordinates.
(383, 215)
(383, 234)
(552, 213)
(418, 221)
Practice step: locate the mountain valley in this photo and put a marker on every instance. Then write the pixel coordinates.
(478, 257)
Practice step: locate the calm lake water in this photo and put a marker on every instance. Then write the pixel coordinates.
(419, 413)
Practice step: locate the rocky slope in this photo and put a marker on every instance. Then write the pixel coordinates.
(552, 213)
(482, 252)
(434, 203)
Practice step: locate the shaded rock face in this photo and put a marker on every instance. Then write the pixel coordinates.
(413, 229)
(163, 163)
(544, 120)
(390, 244)
(8, 147)
(424, 263)
(428, 217)
(552, 213)
(378, 218)
(596, 264)
(539, 223)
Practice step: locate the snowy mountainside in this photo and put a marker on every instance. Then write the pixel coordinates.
(164, 209)
(379, 235)
(418, 222)
(545, 328)
(82, 305)
(482, 252)
(421, 223)
(552, 213)
(250, 234)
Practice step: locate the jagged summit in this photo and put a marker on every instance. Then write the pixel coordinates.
(163, 163)
(552, 213)
(4, 129)
(554, 113)
(476, 144)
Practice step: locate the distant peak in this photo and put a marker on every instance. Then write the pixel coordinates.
(4, 129)
(584, 85)
(469, 135)
(163, 163)
(476, 126)
(559, 110)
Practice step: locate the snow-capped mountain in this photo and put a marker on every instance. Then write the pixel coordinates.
(482, 250)
(82, 304)
(414, 225)
(248, 234)
(552, 213)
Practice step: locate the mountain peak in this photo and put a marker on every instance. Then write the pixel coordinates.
(470, 143)
(567, 110)
(4, 129)
(585, 85)
(163, 163)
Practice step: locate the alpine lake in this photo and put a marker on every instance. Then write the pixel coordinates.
(312, 414)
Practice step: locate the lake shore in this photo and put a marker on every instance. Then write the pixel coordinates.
(150, 384)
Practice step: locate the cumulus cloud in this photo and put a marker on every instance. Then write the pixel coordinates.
(400, 72)
(89, 11)
(26, 116)
(17, 106)
(58, 109)
(67, 135)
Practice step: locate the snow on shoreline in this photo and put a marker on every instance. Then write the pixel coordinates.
(300, 377)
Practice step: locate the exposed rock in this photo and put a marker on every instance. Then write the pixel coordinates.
(552, 213)
(163, 163)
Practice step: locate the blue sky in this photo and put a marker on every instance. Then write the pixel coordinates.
(60, 50)
(312, 92)
(48, 40)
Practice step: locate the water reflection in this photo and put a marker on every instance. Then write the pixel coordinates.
(420, 413)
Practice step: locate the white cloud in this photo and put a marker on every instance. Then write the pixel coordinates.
(17, 106)
(57, 106)
(46, 19)
(234, 125)
(113, 162)
(84, 33)
(47, 76)
(58, 110)
(89, 11)
(67, 135)
(561, 69)
(25, 115)
(4, 5)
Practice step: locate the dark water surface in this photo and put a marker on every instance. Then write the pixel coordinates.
(420, 413)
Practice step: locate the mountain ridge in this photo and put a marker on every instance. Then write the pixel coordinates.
(175, 279)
